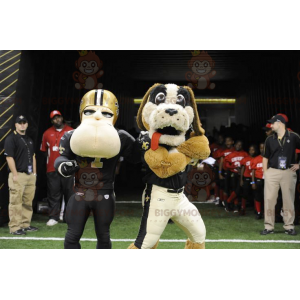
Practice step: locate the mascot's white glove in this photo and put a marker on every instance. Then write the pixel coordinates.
(67, 168)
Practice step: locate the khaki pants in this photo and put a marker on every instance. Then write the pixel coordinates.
(160, 206)
(286, 180)
(21, 194)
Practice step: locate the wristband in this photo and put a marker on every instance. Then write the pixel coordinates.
(220, 172)
(253, 182)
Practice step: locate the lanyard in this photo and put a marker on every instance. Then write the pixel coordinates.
(281, 145)
(28, 150)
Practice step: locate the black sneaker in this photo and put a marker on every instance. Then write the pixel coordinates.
(258, 216)
(19, 232)
(291, 232)
(266, 231)
(30, 228)
(220, 204)
(235, 209)
(225, 203)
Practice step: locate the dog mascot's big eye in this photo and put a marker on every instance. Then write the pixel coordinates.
(160, 98)
(180, 100)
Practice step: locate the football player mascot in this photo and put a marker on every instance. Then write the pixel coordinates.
(92, 152)
(172, 140)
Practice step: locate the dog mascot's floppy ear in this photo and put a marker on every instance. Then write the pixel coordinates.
(140, 122)
(197, 126)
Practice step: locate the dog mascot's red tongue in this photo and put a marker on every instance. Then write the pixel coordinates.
(155, 140)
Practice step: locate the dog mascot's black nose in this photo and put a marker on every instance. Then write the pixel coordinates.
(171, 111)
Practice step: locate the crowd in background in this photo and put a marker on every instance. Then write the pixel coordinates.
(239, 175)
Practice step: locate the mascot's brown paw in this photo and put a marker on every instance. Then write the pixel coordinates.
(195, 147)
(155, 246)
(132, 246)
(191, 245)
(165, 164)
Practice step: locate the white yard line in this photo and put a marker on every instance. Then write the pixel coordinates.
(161, 241)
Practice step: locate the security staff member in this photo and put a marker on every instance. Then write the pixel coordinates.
(279, 164)
(19, 152)
(57, 186)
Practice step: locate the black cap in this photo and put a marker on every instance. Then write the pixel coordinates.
(277, 118)
(20, 119)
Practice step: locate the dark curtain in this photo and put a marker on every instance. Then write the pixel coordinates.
(269, 85)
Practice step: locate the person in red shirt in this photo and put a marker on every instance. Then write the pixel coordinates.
(233, 163)
(246, 179)
(218, 144)
(224, 174)
(57, 186)
(258, 181)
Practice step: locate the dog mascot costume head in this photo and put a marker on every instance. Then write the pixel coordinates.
(169, 114)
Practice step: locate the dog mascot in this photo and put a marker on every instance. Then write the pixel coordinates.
(172, 140)
(92, 152)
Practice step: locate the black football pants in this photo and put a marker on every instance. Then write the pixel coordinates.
(77, 213)
(259, 192)
(247, 188)
(57, 187)
(235, 184)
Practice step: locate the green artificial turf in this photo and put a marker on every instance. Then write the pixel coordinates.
(219, 225)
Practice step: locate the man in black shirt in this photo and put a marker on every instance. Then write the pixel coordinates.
(19, 152)
(280, 166)
(94, 176)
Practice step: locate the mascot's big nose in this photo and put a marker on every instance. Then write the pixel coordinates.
(171, 111)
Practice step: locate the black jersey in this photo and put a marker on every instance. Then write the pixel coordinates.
(176, 181)
(98, 173)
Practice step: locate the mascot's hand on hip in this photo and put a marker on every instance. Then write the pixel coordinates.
(168, 112)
